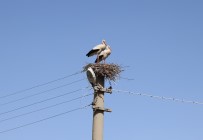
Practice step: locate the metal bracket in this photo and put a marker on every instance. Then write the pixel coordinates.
(101, 109)
(100, 88)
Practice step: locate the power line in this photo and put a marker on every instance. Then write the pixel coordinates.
(160, 97)
(51, 106)
(29, 96)
(48, 118)
(36, 86)
(125, 78)
(42, 101)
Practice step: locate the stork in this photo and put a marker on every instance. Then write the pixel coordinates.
(103, 55)
(97, 49)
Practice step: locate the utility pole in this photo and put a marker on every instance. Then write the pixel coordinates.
(97, 82)
(98, 109)
(98, 113)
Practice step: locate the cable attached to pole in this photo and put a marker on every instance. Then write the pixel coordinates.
(39, 93)
(45, 119)
(42, 101)
(159, 97)
(39, 85)
(51, 106)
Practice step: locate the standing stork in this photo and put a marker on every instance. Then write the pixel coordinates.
(97, 49)
(103, 55)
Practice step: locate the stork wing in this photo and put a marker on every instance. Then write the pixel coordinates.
(92, 52)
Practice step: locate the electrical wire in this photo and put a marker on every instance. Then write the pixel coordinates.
(42, 101)
(48, 118)
(125, 78)
(39, 93)
(159, 97)
(51, 106)
(39, 85)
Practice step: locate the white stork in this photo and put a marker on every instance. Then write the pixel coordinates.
(103, 55)
(97, 49)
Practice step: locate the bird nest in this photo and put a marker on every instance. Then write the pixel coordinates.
(108, 71)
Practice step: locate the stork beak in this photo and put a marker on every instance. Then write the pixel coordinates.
(104, 42)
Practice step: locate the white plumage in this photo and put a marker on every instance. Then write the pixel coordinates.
(97, 49)
(103, 55)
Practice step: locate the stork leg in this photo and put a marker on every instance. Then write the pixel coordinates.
(97, 58)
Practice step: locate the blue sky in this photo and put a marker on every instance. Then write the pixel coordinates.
(160, 41)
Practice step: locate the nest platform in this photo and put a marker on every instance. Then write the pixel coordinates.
(108, 71)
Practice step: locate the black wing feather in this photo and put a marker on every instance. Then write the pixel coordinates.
(100, 59)
(92, 52)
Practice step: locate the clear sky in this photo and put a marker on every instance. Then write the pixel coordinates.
(160, 41)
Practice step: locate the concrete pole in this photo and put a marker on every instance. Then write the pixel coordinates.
(98, 114)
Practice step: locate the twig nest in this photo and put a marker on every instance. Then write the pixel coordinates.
(108, 71)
